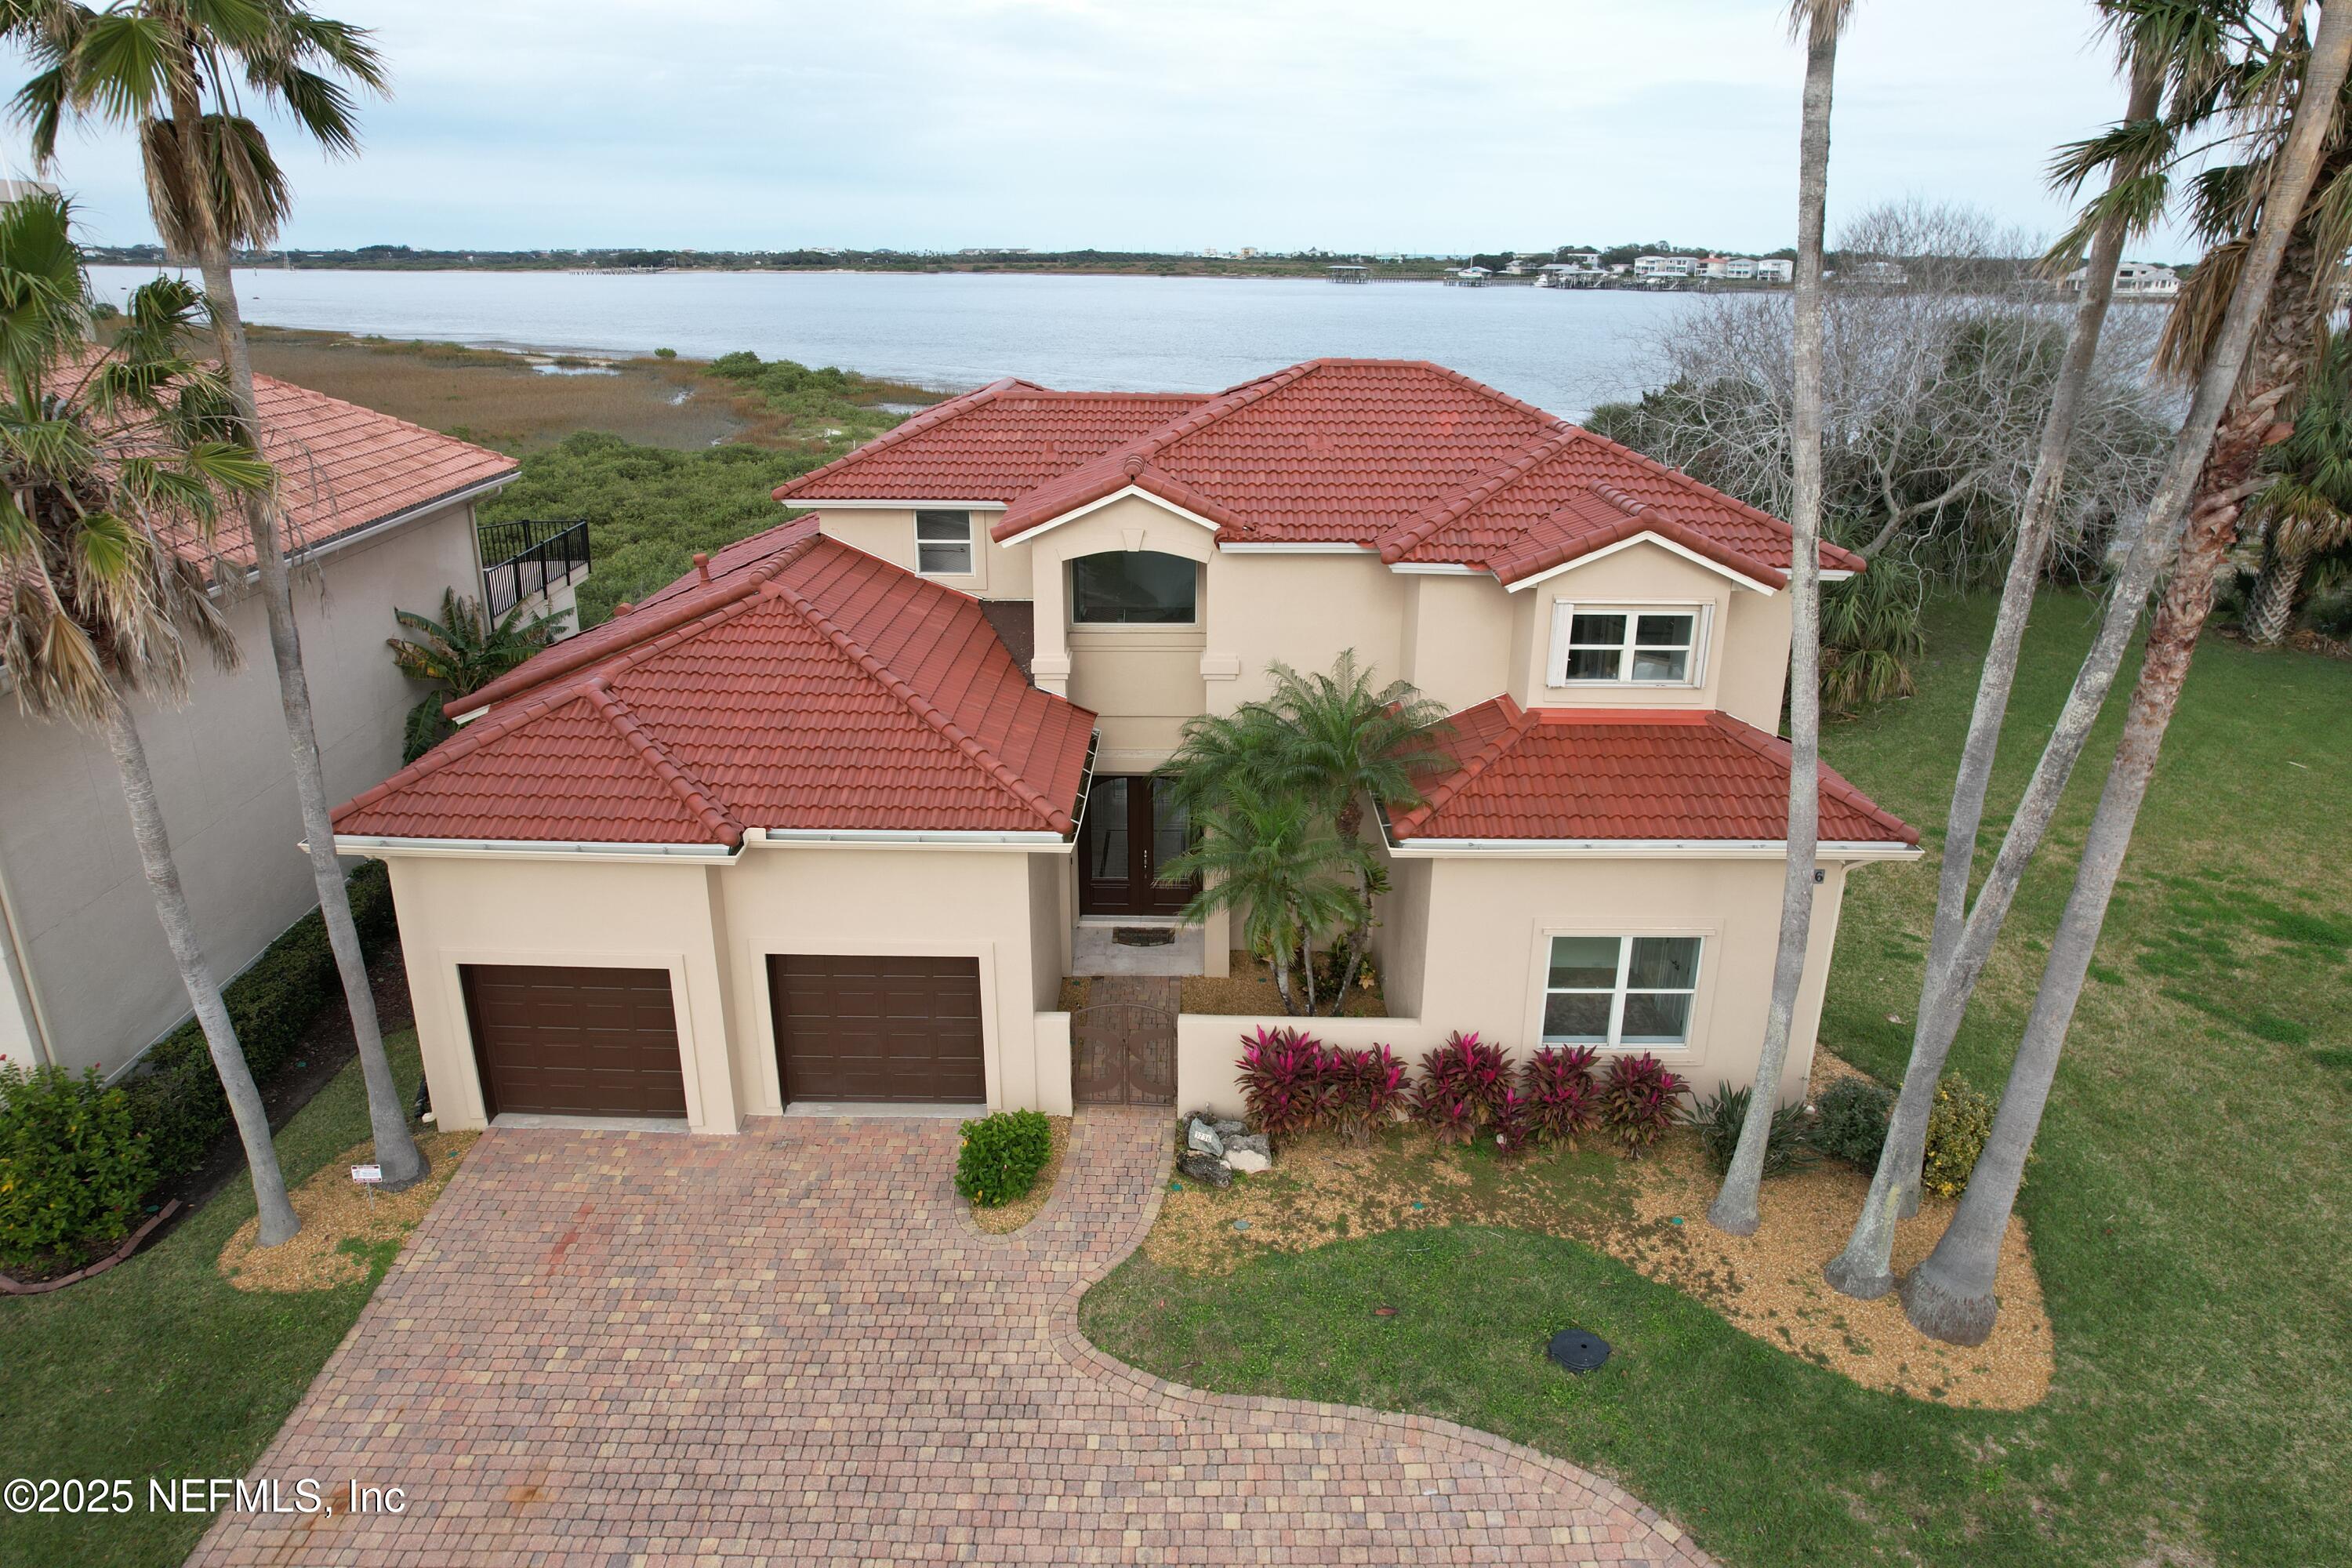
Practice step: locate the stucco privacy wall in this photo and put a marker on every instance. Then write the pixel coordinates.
(80, 907)
(712, 927)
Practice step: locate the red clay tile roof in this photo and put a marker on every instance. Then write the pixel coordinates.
(342, 468)
(1413, 459)
(1627, 773)
(819, 689)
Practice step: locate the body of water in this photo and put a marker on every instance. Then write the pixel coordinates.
(1563, 350)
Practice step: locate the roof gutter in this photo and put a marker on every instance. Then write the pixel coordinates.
(375, 847)
(903, 838)
(1636, 849)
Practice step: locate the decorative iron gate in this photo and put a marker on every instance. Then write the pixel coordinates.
(1123, 1054)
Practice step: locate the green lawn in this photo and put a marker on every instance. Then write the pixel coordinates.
(162, 1368)
(2188, 1204)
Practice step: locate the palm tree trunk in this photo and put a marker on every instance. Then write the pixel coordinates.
(396, 1151)
(1306, 970)
(2270, 609)
(1734, 1209)
(1865, 1268)
(277, 1215)
(1951, 1296)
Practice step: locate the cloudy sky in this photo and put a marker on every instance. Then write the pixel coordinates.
(1178, 124)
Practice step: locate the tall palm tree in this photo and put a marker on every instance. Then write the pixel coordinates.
(1343, 742)
(2134, 149)
(175, 71)
(2306, 509)
(113, 463)
(1820, 22)
(2280, 268)
(1267, 855)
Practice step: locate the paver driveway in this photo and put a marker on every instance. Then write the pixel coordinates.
(793, 1346)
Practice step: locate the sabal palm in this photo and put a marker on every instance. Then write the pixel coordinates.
(2306, 509)
(462, 652)
(1269, 856)
(177, 72)
(113, 464)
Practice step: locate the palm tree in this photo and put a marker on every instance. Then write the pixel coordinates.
(1734, 1209)
(213, 184)
(2252, 360)
(1341, 742)
(2306, 511)
(1267, 855)
(2134, 149)
(116, 461)
(461, 653)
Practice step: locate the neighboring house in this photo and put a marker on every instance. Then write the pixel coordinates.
(827, 820)
(2135, 281)
(380, 514)
(1775, 270)
(1666, 266)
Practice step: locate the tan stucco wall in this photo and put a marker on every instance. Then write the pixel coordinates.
(86, 919)
(713, 927)
(1643, 575)
(1301, 610)
(999, 570)
(1456, 639)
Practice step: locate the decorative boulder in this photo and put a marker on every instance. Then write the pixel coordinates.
(1229, 1130)
(1199, 1167)
(1249, 1161)
(1256, 1143)
(1202, 1138)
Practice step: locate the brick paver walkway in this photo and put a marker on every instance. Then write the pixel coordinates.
(793, 1346)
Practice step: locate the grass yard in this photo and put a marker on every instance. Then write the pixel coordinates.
(162, 1368)
(2187, 1205)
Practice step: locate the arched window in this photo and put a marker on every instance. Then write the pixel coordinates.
(1132, 587)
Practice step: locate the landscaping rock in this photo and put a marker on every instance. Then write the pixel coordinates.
(1249, 1161)
(1256, 1143)
(1229, 1131)
(1201, 1138)
(1206, 1168)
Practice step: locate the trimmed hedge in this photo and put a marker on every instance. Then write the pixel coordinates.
(71, 1167)
(177, 1102)
(1003, 1156)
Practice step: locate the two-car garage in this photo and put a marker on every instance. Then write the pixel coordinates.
(562, 1040)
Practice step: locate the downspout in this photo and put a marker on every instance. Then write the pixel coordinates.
(20, 972)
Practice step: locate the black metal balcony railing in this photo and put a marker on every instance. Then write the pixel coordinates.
(523, 558)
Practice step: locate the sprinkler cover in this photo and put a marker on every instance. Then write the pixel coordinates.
(1578, 1350)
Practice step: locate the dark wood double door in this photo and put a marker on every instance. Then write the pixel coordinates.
(1133, 827)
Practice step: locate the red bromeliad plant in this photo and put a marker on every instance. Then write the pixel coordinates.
(1284, 1080)
(1638, 1101)
(1563, 1102)
(1370, 1084)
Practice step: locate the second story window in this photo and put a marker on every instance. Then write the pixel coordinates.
(1132, 587)
(943, 543)
(1625, 647)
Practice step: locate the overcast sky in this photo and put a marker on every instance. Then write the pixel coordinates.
(1177, 124)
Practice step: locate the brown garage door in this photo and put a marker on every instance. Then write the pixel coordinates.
(879, 1029)
(563, 1041)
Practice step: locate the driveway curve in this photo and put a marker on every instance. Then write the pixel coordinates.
(793, 1346)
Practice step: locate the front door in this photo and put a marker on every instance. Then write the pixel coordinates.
(1134, 827)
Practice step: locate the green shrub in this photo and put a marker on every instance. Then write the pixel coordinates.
(1719, 1117)
(73, 1166)
(1002, 1156)
(1853, 1116)
(664, 353)
(177, 1102)
(1958, 1125)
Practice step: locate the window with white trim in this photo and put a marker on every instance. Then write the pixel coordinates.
(943, 543)
(1625, 646)
(1620, 989)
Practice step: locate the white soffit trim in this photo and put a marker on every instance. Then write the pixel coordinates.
(1121, 494)
(1642, 848)
(1646, 537)
(830, 505)
(902, 838)
(1831, 574)
(1340, 548)
(376, 847)
(1438, 569)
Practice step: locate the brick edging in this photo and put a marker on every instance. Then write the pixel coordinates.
(1547, 1471)
(91, 1270)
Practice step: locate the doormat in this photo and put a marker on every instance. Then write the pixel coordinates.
(1144, 936)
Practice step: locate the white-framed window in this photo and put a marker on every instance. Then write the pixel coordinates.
(943, 543)
(1621, 990)
(1627, 645)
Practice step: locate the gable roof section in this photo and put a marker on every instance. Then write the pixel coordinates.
(1417, 461)
(1618, 774)
(342, 468)
(822, 689)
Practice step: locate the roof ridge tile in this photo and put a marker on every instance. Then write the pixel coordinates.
(1397, 541)
(683, 784)
(930, 418)
(1517, 722)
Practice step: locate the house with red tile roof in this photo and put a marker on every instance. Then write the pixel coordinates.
(377, 514)
(827, 822)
